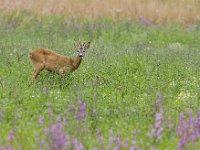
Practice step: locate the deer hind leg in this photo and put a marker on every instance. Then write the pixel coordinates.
(38, 68)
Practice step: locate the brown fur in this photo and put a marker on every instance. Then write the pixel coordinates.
(43, 58)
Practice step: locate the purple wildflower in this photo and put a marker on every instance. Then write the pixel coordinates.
(50, 111)
(133, 142)
(181, 132)
(181, 123)
(41, 120)
(8, 147)
(10, 135)
(197, 123)
(190, 126)
(77, 145)
(158, 124)
(132, 148)
(58, 119)
(58, 136)
(71, 107)
(111, 139)
(188, 129)
(46, 130)
(64, 119)
(100, 138)
(118, 142)
(144, 21)
(133, 139)
(125, 143)
(80, 114)
(94, 148)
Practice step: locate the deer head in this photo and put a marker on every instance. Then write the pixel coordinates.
(81, 48)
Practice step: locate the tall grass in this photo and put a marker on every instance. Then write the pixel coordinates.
(112, 93)
(156, 11)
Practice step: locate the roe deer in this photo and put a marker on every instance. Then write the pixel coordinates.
(43, 58)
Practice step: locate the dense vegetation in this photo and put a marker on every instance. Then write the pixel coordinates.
(116, 93)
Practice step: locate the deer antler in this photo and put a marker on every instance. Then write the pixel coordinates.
(84, 44)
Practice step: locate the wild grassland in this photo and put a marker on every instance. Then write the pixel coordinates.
(156, 11)
(114, 88)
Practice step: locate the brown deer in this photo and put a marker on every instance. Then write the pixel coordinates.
(43, 58)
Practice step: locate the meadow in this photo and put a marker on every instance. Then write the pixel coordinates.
(137, 87)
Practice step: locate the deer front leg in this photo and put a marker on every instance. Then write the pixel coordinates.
(37, 70)
(62, 71)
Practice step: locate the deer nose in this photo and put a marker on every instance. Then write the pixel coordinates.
(81, 54)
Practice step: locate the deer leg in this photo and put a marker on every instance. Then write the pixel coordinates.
(37, 70)
(62, 71)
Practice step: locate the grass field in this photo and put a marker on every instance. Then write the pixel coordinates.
(113, 101)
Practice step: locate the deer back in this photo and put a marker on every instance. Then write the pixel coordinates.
(51, 60)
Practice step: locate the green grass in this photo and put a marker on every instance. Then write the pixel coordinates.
(127, 64)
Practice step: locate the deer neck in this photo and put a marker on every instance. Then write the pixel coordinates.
(76, 61)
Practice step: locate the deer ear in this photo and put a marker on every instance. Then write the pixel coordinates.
(87, 45)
